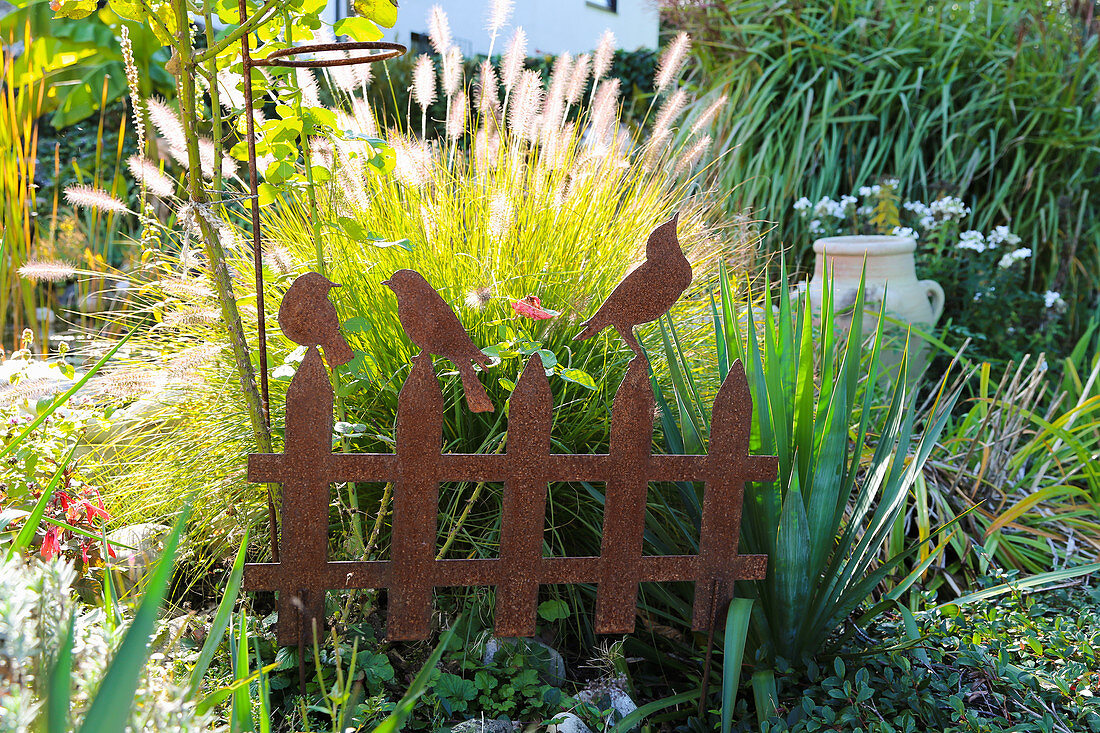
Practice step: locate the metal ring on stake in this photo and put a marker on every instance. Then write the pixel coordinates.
(387, 50)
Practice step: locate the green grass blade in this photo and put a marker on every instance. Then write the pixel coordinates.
(60, 684)
(221, 620)
(109, 711)
(733, 652)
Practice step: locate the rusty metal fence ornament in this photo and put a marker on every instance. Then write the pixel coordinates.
(308, 467)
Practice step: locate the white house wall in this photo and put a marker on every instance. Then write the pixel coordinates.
(552, 26)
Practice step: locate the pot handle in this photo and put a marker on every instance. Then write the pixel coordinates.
(935, 294)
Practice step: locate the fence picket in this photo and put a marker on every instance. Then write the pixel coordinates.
(524, 518)
(625, 501)
(419, 435)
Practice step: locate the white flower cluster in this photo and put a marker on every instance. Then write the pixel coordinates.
(1001, 235)
(972, 239)
(1053, 299)
(1014, 256)
(905, 232)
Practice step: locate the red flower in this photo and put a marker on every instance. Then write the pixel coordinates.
(50, 545)
(65, 501)
(531, 307)
(95, 511)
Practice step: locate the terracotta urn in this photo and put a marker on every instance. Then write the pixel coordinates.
(891, 274)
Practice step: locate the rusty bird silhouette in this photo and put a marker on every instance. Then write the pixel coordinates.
(647, 292)
(435, 329)
(308, 318)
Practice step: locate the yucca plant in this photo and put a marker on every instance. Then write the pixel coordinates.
(848, 457)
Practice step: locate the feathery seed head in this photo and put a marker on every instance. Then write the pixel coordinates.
(524, 111)
(501, 214)
(514, 58)
(364, 117)
(456, 116)
(578, 79)
(167, 123)
(149, 175)
(452, 70)
(693, 154)
(87, 197)
(670, 110)
(672, 61)
(43, 271)
(605, 52)
(423, 87)
(488, 101)
(604, 114)
(307, 82)
(499, 13)
(439, 30)
(707, 117)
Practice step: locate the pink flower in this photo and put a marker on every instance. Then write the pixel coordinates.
(50, 545)
(531, 307)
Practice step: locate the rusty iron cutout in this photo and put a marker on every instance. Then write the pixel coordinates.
(308, 467)
(389, 50)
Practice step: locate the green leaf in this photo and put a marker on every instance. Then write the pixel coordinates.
(110, 710)
(554, 610)
(75, 9)
(733, 652)
(279, 171)
(382, 12)
(577, 376)
(358, 28)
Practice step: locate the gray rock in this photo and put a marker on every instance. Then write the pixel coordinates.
(568, 723)
(132, 566)
(485, 725)
(553, 669)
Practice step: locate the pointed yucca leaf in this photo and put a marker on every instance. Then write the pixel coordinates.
(733, 651)
(731, 335)
(719, 340)
(789, 567)
(221, 619)
(110, 709)
(670, 429)
(805, 390)
(699, 409)
(879, 526)
(845, 563)
(692, 433)
(59, 689)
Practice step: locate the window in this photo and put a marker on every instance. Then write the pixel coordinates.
(612, 6)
